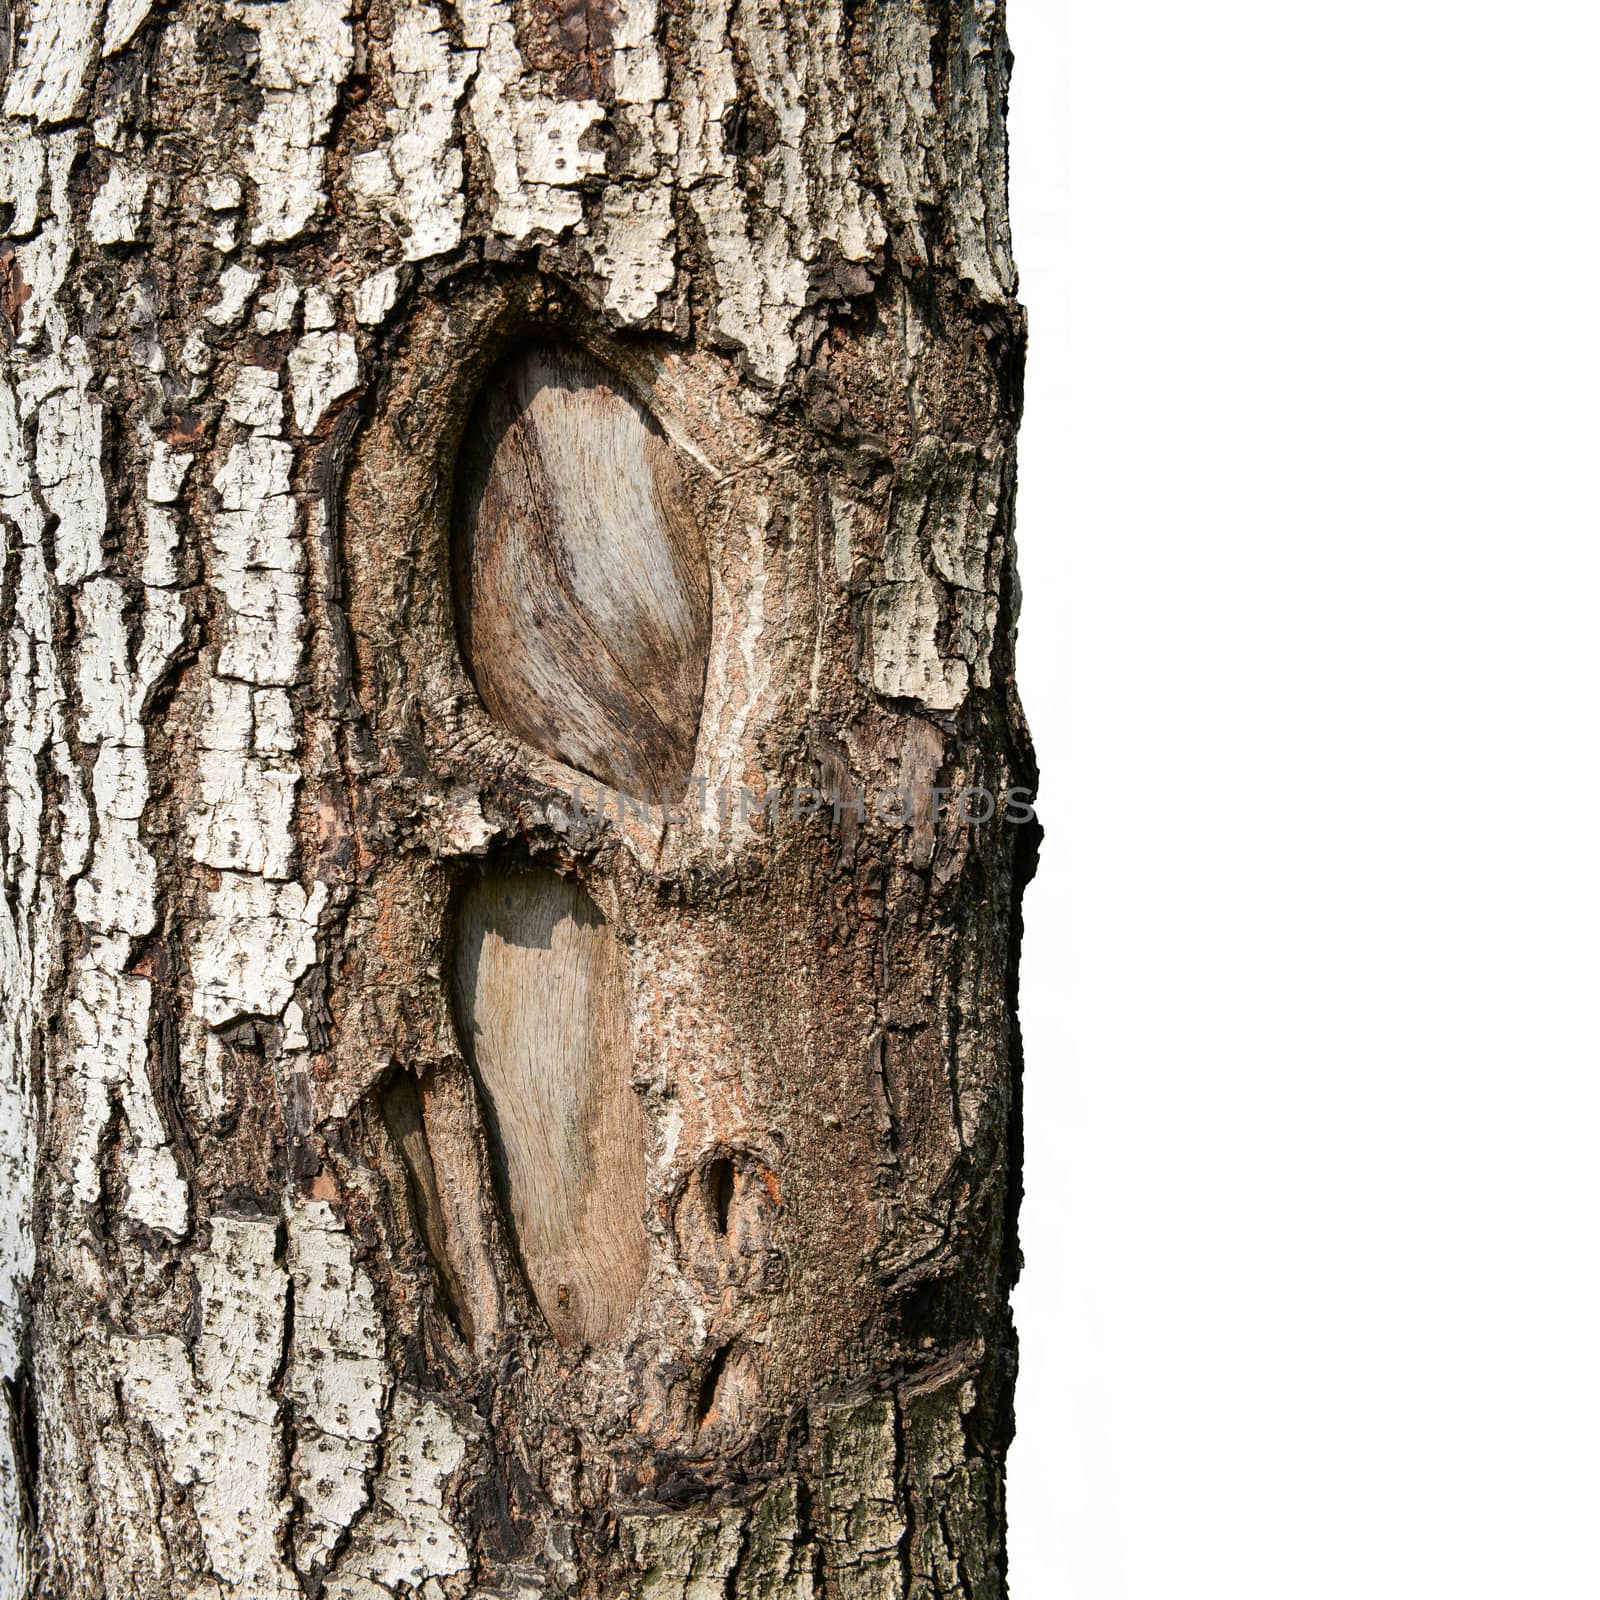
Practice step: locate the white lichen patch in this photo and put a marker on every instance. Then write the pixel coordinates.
(336, 1382)
(635, 257)
(66, 463)
(638, 74)
(906, 662)
(243, 815)
(276, 311)
(306, 50)
(110, 1023)
(108, 708)
(110, 1008)
(533, 140)
(32, 723)
(275, 732)
(810, 206)
(215, 1408)
(323, 367)
(256, 400)
(407, 1537)
(21, 179)
(257, 939)
(102, 857)
(196, 359)
(218, 1412)
(124, 18)
(257, 564)
(258, 932)
(163, 610)
(223, 192)
(320, 309)
(760, 287)
(34, 719)
(117, 215)
(416, 173)
(810, 172)
(165, 476)
(57, 52)
(373, 298)
(42, 262)
(234, 289)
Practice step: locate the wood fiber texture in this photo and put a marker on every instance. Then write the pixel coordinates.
(541, 1006)
(582, 595)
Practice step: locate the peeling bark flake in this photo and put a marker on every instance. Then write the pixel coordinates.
(531, 138)
(306, 52)
(416, 173)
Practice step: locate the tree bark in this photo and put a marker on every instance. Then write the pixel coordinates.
(442, 1153)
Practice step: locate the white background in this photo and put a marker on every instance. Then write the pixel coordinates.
(1310, 542)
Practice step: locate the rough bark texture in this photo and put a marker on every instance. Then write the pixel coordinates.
(266, 1320)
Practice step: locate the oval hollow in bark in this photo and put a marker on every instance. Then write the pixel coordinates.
(540, 994)
(582, 595)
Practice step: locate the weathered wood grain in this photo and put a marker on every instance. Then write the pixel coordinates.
(581, 588)
(541, 1005)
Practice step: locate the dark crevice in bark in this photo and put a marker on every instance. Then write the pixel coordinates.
(706, 1400)
(720, 1187)
(23, 1425)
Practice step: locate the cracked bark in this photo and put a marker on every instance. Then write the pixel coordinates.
(273, 1315)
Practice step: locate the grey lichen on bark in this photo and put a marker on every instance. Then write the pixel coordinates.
(267, 1323)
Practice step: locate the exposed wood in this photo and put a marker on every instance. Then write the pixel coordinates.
(542, 1008)
(435, 1123)
(581, 587)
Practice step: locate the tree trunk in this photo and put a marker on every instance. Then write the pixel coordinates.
(502, 1094)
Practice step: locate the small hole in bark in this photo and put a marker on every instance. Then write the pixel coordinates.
(926, 1312)
(720, 1190)
(706, 1404)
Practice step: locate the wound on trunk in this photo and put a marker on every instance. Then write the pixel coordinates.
(541, 1006)
(582, 596)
